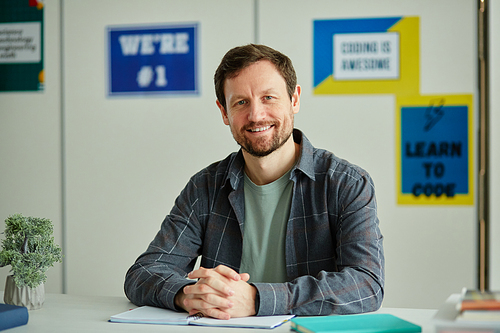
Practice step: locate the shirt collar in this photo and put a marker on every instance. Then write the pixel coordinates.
(236, 169)
(306, 158)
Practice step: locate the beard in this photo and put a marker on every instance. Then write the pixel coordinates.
(265, 146)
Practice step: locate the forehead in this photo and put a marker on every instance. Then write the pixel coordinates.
(261, 75)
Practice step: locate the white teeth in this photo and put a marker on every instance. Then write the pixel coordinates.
(261, 129)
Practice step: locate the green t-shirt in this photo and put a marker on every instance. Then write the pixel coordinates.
(267, 209)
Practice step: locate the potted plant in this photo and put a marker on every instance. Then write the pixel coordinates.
(30, 250)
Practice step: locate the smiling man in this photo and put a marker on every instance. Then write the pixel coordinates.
(281, 227)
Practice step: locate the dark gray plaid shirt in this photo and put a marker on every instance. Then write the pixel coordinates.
(334, 252)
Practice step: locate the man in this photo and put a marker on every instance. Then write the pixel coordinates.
(281, 227)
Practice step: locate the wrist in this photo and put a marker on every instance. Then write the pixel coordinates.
(257, 301)
(179, 300)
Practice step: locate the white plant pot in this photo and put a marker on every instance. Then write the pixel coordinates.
(32, 298)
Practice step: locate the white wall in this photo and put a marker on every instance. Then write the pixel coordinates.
(128, 158)
(30, 154)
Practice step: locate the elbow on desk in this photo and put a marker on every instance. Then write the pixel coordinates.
(137, 288)
(130, 287)
(378, 298)
(367, 304)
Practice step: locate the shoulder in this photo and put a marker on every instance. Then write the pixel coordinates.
(326, 162)
(347, 181)
(319, 163)
(216, 172)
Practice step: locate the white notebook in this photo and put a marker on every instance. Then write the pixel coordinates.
(154, 315)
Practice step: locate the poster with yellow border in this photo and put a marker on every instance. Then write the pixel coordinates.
(434, 162)
(366, 56)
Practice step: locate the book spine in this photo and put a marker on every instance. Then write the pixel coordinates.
(479, 305)
(300, 329)
(13, 318)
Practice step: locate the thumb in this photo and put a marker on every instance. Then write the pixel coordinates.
(245, 276)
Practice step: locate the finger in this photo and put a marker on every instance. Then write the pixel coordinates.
(208, 301)
(245, 277)
(192, 312)
(197, 273)
(201, 288)
(216, 313)
(210, 282)
(228, 272)
(204, 273)
(203, 296)
(220, 270)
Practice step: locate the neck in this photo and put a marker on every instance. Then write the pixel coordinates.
(265, 170)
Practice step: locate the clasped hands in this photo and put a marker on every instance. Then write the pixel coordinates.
(220, 293)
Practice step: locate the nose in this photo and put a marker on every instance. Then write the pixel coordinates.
(257, 112)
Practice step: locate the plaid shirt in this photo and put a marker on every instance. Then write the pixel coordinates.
(334, 253)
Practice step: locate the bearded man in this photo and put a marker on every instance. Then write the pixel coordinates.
(281, 227)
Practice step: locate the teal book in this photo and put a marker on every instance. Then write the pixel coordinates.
(362, 323)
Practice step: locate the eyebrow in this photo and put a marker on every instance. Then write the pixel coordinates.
(269, 91)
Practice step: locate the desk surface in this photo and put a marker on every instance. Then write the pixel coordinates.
(69, 313)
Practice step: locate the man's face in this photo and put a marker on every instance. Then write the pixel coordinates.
(258, 108)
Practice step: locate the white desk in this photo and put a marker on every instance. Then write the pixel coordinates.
(67, 313)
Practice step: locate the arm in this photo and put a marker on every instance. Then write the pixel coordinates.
(160, 272)
(356, 285)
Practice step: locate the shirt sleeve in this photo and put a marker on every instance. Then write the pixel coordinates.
(357, 285)
(160, 272)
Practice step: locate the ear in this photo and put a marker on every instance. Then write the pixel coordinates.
(296, 99)
(223, 112)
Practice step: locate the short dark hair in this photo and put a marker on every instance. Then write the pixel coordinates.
(241, 57)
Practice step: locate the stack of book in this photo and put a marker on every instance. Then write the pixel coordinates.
(476, 305)
(457, 314)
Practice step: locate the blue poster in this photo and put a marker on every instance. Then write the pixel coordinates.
(435, 159)
(153, 60)
(434, 164)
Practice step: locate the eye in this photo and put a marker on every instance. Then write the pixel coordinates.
(267, 98)
(240, 103)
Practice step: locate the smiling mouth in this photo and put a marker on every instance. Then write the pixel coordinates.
(259, 129)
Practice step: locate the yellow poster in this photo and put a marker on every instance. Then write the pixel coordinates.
(434, 149)
(367, 56)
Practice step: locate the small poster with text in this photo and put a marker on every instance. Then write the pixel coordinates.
(366, 56)
(21, 45)
(146, 60)
(434, 149)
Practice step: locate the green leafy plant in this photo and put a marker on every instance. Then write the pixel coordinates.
(29, 248)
